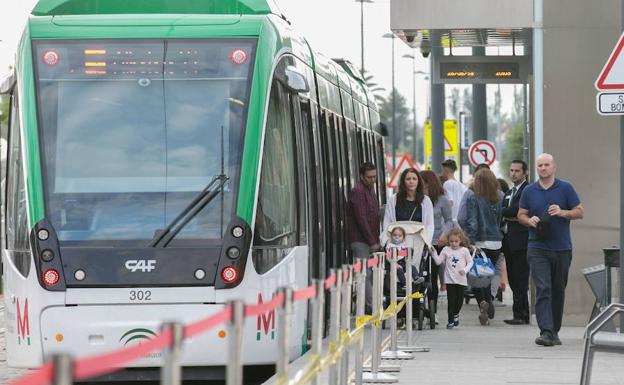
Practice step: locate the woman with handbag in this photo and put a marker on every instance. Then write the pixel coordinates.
(484, 215)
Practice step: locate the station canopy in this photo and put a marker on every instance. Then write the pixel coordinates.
(468, 37)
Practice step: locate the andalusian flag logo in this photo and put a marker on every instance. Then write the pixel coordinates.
(139, 334)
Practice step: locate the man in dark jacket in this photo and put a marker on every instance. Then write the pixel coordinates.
(515, 244)
(363, 217)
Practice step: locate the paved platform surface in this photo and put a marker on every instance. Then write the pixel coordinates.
(502, 354)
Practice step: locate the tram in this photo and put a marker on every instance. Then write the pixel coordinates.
(165, 157)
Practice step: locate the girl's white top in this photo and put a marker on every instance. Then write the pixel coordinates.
(454, 261)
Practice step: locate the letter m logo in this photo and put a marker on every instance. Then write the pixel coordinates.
(23, 324)
(265, 322)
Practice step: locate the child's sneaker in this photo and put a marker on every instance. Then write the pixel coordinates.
(456, 320)
(450, 325)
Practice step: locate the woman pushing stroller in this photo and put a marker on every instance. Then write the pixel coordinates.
(410, 204)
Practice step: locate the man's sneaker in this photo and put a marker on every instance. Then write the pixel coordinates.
(456, 320)
(450, 325)
(483, 313)
(556, 340)
(545, 340)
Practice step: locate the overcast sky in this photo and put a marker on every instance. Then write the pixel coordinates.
(331, 26)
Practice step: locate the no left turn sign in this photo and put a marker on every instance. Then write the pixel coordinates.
(482, 151)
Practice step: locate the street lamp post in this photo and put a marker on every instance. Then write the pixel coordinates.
(415, 135)
(362, 30)
(394, 144)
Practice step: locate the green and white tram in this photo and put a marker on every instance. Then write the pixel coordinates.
(165, 157)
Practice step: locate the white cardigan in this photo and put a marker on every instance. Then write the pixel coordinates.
(390, 217)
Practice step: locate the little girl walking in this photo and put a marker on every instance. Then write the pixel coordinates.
(457, 262)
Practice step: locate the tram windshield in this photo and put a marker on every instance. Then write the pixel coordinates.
(132, 130)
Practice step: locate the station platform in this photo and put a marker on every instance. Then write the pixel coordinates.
(498, 354)
(472, 354)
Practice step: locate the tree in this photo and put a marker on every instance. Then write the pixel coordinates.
(4, 111)
(514, 145)
(455, 103)
(404, 124)
(373, 87)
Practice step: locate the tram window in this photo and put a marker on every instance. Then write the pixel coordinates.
(17, 218)
(276, 216)
(354, 160)
(125, 151)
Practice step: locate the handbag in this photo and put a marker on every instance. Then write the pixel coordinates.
(482, 270)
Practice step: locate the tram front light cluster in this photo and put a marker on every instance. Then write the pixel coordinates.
(43, 234)
(229, 274)
(233, 253)
(51, 277)
(237, 232)
(80, 275)
(47, 255)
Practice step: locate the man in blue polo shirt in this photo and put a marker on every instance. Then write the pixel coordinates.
(547, 207)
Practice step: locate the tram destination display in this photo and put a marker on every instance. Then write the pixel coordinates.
(481, 69)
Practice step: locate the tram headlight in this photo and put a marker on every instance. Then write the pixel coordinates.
(200, 274)
(233, 253)
(80, 275)
(51, 277)
(43, 234)
(229, 274)
(237, 232)
(47, 255)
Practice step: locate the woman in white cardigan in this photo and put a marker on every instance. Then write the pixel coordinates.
(409, 204)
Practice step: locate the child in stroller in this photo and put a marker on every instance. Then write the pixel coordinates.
(397, 242)
(401, 236)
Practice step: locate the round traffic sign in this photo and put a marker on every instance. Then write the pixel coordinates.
(482, 151)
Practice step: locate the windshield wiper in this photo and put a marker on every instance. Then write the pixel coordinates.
(190, 211)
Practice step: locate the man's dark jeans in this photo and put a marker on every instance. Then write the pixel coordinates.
(549, 270)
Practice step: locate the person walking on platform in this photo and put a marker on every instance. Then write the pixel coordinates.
(442, 219)
(515, 243)
(453, 189)
(457, 262)
(483, 223)
(363, 220)
(546, 208)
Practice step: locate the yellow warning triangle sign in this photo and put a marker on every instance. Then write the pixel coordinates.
(447, 144)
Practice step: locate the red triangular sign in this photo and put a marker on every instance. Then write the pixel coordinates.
(612, 75)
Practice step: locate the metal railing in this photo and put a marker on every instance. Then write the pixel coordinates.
(346, 330)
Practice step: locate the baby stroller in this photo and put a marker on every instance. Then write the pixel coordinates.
(416, 239)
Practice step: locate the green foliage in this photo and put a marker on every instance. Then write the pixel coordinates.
(514, 145)
(373, 87)
(4, 109)
(404, 125)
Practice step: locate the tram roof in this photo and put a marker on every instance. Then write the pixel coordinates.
(99, 7)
